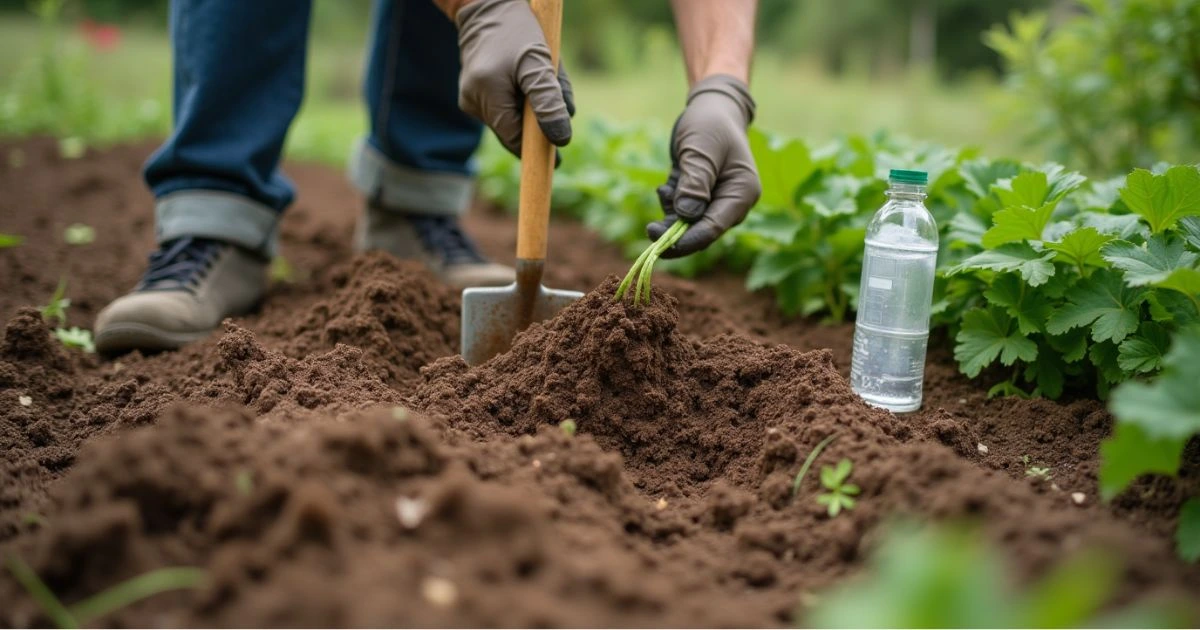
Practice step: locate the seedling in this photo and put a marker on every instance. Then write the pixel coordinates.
(56, 310)
(644, 265)
(808, 461)
(10, 240)
(568, 427)
(75, 337)
(1041, 473)
(840, 493)
(281, 271)
(106, 602)
(79, 234)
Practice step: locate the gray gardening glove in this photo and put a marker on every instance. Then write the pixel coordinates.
(713, 181)
(505, 59)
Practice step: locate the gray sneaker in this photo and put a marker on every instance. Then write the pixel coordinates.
(189, 287)
(437, 241)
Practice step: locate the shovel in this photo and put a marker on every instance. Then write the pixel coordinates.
(492, 316)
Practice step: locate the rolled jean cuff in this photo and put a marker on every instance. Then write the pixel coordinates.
(405, 189)
(218, 215)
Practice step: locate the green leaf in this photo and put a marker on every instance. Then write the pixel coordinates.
(1033, 266)
(1028, 306)
(10, 240)
(1118, 225)
(987, 334)
(1073, 592)
(1130, 453)
(1173, 306)
(1017, 223)
(1144, 351)
(1080, 248)
(1104, 302)
(1071, 345)
(1047, 372)
(1185, 281)
(1169, 407)
(1061, 181)
(777, 227)
(75, 337)
(1029, 189)
(966, 228)
(1104, 356)
(1162, 200)
(1187, 535)
(836, 197)
(1190, 228)
(770, 268)
(980, 174)
(782, 167)
(1149, 263)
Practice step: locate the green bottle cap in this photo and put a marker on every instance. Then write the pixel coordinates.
(901, 176)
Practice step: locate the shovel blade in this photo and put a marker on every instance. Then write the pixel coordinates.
(492, 317)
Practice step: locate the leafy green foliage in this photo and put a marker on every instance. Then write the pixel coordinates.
(106, 602)
(840, 495)
(75, 337)
(1155, 421)
(1114, 86)
(56, 309)
(946, 577)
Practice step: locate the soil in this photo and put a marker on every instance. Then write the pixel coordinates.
(329, 460)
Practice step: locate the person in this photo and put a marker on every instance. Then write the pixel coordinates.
(438, 71)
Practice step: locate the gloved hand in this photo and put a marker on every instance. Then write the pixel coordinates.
(505, 60)
(713, 181)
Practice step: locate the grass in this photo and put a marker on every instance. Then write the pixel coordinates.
(129, 94)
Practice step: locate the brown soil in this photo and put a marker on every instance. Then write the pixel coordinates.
(330, 461)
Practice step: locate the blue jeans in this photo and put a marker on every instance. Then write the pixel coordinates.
(238, 83)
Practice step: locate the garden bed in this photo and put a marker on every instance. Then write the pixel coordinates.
(305, 459)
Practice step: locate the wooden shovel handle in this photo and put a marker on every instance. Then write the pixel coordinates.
(537, 155)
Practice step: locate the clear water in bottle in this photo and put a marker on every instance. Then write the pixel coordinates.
(895, 297)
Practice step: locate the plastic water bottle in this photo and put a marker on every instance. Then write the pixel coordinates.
(895, 298)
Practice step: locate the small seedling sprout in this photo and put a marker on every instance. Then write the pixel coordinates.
(10, 240)
(75, 337)
(56, 310)
(568, 427)
(808, 461)
(79, 234)
(644, 265)
(840, 493)
(105, 602)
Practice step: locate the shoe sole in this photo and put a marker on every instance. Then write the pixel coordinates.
(127, 337)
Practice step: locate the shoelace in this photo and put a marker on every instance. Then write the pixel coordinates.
(179, 263)
(444, 236)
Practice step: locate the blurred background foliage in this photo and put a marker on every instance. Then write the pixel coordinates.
(1100, 85)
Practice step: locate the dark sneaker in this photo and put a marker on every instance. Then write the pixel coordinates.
(437, 241)
(189, 287)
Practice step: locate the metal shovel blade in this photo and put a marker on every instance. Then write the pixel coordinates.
(492, 316)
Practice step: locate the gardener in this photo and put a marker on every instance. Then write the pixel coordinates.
(238, 82)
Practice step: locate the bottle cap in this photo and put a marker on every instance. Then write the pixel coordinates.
(901, 176)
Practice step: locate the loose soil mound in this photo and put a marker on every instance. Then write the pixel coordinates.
(305, 458)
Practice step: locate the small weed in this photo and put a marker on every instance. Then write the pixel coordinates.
(75, 337)
(808, 462)
(568, 427)
(79, 234)
(56, 310)
(10, 240)
(1041, 473)
(840, 493)
(106, 602)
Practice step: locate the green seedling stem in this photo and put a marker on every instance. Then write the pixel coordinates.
(808, 461)
(644, 265)
(105, 602)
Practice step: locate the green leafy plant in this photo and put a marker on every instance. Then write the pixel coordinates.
(56, 309)
(10, 240)
(840, 494)
(75, 337)
(106, 602)
(567, 427)
(808, 461)
(79, 234)
(644, 266)
(1116, 85)
(1154, 423)
(948, 577)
